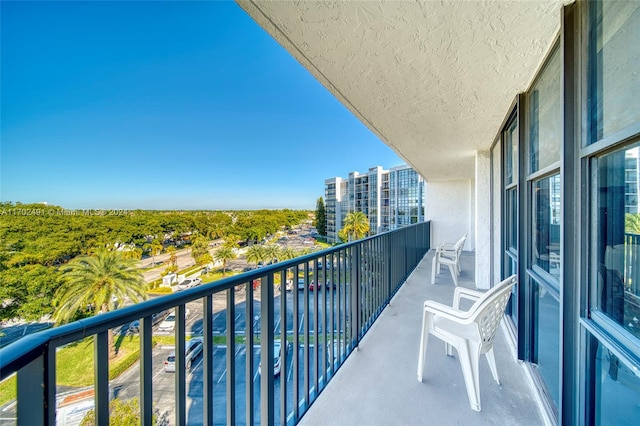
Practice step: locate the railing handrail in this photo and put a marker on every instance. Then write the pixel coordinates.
(23, 354)
(24, 350)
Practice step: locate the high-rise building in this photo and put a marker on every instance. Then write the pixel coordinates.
(631, 181)
(390, 199)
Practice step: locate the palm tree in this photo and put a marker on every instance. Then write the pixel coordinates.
(272, 253)
(156, 248)
(130, 251)
(632, 223)
(255, 254)
(356, 225)
(288, 253)
(104, 281)
(223, 254)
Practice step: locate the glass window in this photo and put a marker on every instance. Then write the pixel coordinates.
(546, 225)
(547, 338)
(617, 269)
(511, 219)
(511, 154)
(614, 61)
(617, 390)
(545, 117)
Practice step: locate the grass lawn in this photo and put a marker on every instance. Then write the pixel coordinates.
(217, 275)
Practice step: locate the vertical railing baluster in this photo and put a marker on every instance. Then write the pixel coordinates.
(296, 345)
(36, 398)
(231, 357)
(354, 267)
(332, 312)
(324, 359)
(146, 372)
(101, 371)
(207, 359)
(306, 334)
(346, 301)
(283, 344)
(339, 291)
(181, 367)
(267, 399)
(249, 400)
(316, 324)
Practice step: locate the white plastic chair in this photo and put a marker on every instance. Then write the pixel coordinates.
(449, 255)
(471, 332)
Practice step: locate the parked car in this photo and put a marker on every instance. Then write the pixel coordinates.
(193, 349)
(188, 283)
(169, 323)
(300, 283)
(156, 319)
(277, 358)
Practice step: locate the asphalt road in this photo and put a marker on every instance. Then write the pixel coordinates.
(127, 384)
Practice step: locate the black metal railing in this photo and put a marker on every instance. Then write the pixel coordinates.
(631, 262)
(317, 308)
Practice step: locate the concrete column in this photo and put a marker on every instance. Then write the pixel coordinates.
(449, 207)
(483, 219)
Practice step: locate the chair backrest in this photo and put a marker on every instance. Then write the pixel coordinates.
(489, 310)
(462, 241)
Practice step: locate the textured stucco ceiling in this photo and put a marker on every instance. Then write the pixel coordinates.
(433, 80)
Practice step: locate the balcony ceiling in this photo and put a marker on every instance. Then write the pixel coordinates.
(433, 80)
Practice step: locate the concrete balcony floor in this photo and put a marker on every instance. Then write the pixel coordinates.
(378, 383)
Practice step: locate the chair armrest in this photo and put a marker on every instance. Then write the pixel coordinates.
(465, 293)
(444, 311)
(446, 252)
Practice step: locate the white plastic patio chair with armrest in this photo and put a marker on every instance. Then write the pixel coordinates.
(449, 255)
(471, 332)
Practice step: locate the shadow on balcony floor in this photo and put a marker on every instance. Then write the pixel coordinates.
(378, 384)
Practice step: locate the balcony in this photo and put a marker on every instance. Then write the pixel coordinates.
(377, 385)
(374, 347)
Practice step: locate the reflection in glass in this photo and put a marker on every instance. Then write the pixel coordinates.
(614, 61)
(547, 338)
(618, 240)
(545, 117)
(546, 225)
(617, 390)
(511, 154)
(511, 219)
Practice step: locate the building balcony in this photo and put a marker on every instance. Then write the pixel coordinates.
(377, 385)
(374, 341)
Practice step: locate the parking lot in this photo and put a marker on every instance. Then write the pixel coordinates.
(127, 384)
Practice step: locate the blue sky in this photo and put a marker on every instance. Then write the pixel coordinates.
(165, 105)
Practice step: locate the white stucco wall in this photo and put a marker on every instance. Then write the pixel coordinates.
(483, 219)
(449, 207)
(497, 214)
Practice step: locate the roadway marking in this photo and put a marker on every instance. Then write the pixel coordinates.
(225, 370)
(301, 323)
(255, 376)
(291, 364)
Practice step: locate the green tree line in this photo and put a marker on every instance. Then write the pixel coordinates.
(37, 240)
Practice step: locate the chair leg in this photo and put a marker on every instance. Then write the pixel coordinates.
(491, 359)
(448, 349)
(453, 273)
(434, 264)
(469, 358)
(424, 340)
